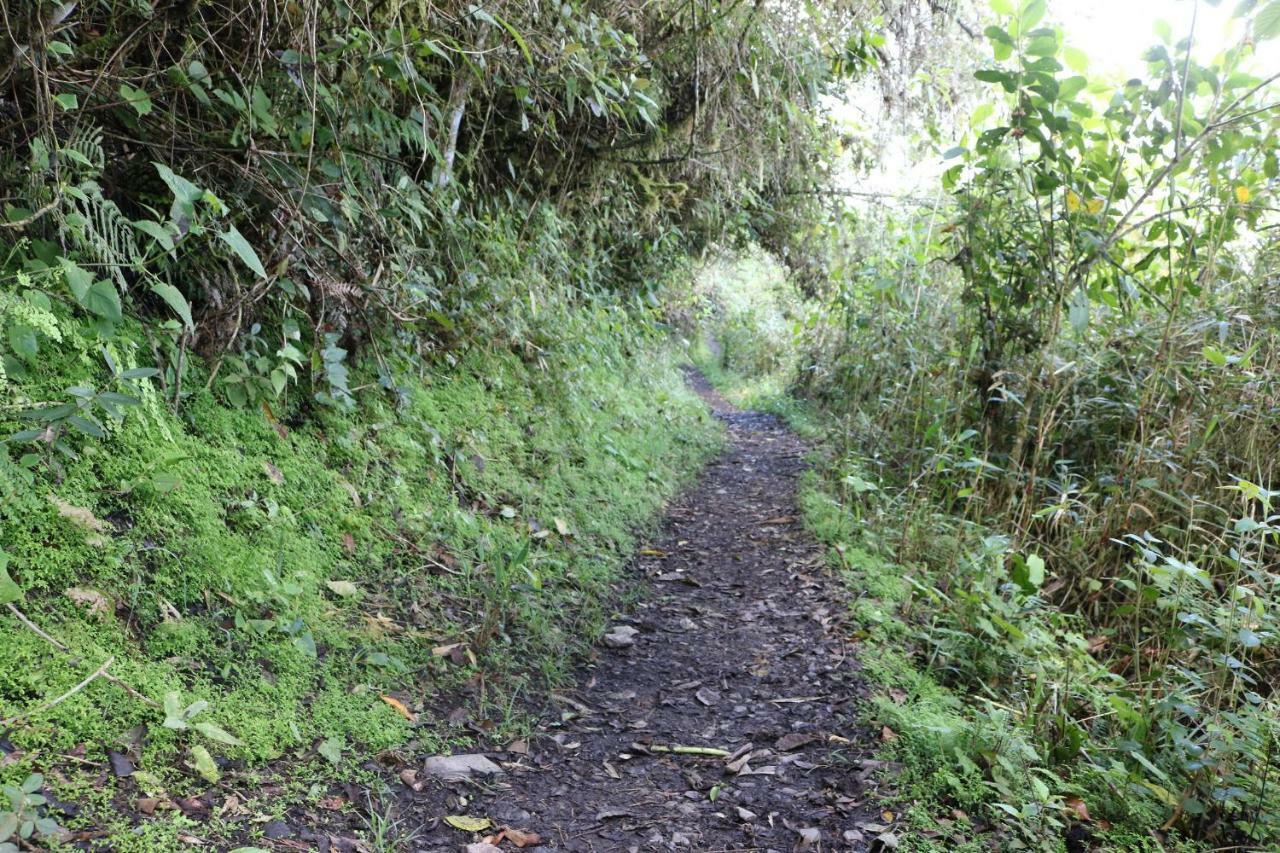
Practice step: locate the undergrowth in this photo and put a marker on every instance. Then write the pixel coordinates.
(331, 587)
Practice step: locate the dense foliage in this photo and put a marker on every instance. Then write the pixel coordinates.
(327, 342)
(1054, 393)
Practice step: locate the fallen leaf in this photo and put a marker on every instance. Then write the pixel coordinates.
(121, 766)
(563, 528)
(147, 805)
(467, 823)
(887, 816)
(620, 637)
(888, 840)
(809, 836)
(652, 552)
(455, 768)
(333, 803)
(887, 733)
(400, 707)
(898, 696)
(607, 814)
(345, 589)
(707, 696)
(521, 837)
(348, 543)
(795, 740)
(409, 777)
(273, 473)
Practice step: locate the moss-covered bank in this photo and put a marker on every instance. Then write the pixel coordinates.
(322, 577)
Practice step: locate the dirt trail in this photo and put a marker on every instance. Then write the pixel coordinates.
(738, 647)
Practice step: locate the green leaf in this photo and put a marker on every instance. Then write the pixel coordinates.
(1215, 356)
(1035, 570)
(175, 300)
(173, 711)
(1002, 7)
(217, 733)
(331, 748)
(24, 341)
(185, 193)
(9, 591)
(78, 278)
(59, 48)
(1267, 24)
(205, 764)
(157, 231)
(67, 101)
(103, 300)
(233, 238)
(136, 98)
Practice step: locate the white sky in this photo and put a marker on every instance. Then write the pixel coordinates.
(1115, 33)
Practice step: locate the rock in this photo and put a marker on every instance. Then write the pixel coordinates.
(481, 847)
(455, 768)
(620, 637)
(277, 829)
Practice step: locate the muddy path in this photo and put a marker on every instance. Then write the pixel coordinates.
(719, 714)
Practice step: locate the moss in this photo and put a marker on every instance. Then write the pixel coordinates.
(492, 504)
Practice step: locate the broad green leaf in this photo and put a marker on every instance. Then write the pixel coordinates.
(185, 193)
(78, 279)
(9, 590)
(104, 300)
(175, 300)
(233, 238)
(157, 231)
(1002, 7)
(136, 98)
(67, 101)
(205, 764)
(345, 589)
(215, 732)
(1267, 24)
(1035, 570)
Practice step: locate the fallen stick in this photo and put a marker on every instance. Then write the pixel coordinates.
(35, 629)
(682, 750)
(98, 673)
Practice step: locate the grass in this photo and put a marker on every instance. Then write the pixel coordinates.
(297, 572)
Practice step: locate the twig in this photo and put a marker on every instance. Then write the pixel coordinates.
(683, 750)
(36, 629)
(99, 672)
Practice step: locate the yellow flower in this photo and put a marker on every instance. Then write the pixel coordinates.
(1073, 201)
(1096, 205)
(1243, 195)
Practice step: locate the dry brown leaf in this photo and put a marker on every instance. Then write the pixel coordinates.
(409, 777)
(887, 733)
(521, 837)
(1077, 805)
(400, 707)
(273, 473)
